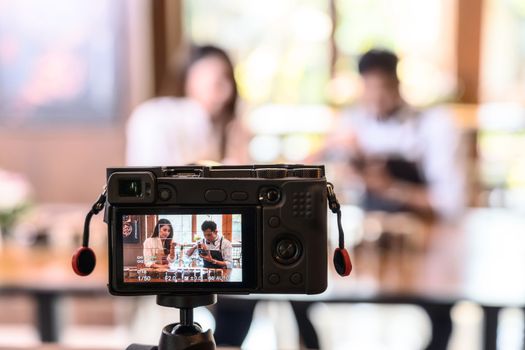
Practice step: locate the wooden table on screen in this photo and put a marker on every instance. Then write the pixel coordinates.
(182, 275)
(481, 261)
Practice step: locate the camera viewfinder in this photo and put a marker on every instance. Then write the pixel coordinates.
(130, 188)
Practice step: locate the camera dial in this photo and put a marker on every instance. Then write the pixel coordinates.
(287, 250)
(312, 173)
(272, 173)
(270, 195)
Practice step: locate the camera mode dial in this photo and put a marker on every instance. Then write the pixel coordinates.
(312, 173)
(272, 173)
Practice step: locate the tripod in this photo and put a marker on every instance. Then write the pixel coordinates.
(186, 335)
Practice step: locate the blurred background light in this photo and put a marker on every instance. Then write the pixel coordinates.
(284, 119)
(265, 148)
(296, 147)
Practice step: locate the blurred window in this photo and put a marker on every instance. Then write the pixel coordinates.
(283, 53)
(502, 91)
(280, 46)
(503, 51)
(422, 33)
(501, 145)
(236, 228)
(60, 60)
(181, 227)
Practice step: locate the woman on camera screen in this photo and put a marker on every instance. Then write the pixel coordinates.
(159, 249)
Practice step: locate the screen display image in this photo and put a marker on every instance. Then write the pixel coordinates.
(182, 248)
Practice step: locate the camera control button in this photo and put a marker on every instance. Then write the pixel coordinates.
(239, 196)
(270, 195)
(274, 278)
(215, 195)
(274, 221)
(286, 249)
(296, 278)
(273, 195)
(164, 194)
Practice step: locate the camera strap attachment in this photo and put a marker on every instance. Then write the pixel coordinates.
(342, 262)
(84, 259)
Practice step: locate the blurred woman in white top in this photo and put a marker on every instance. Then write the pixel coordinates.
(196, 118)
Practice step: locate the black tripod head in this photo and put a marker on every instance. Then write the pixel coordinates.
(185, 335)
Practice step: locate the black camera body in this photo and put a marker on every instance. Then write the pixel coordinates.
(270, 236)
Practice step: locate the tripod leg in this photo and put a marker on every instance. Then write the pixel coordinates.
(441, 325)
(306, 328)
(490, 327)
(236, 314)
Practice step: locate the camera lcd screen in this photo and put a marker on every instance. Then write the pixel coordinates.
(182, 248)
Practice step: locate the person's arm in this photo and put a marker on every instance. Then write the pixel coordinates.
(238, 138)
(411, 195)
(444, 164)
(190, 251)
(149, 257)
(378, 181)
(171, 255)
(207, 257)
(222, 264)
(227, 254)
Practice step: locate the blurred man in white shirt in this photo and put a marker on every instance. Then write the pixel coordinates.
(407, 159)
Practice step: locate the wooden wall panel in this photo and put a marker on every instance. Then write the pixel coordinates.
(469, 49)
(227, 226)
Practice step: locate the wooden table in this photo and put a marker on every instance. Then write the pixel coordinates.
(480, 260)
(46, 275)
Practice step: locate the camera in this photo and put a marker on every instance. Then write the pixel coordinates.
(217, 229)
(201, 249)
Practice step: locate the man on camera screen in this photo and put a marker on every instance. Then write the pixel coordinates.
(214, 249)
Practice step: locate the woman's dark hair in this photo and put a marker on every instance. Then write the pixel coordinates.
(177, 73)
(167, 242)
(379, 60)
